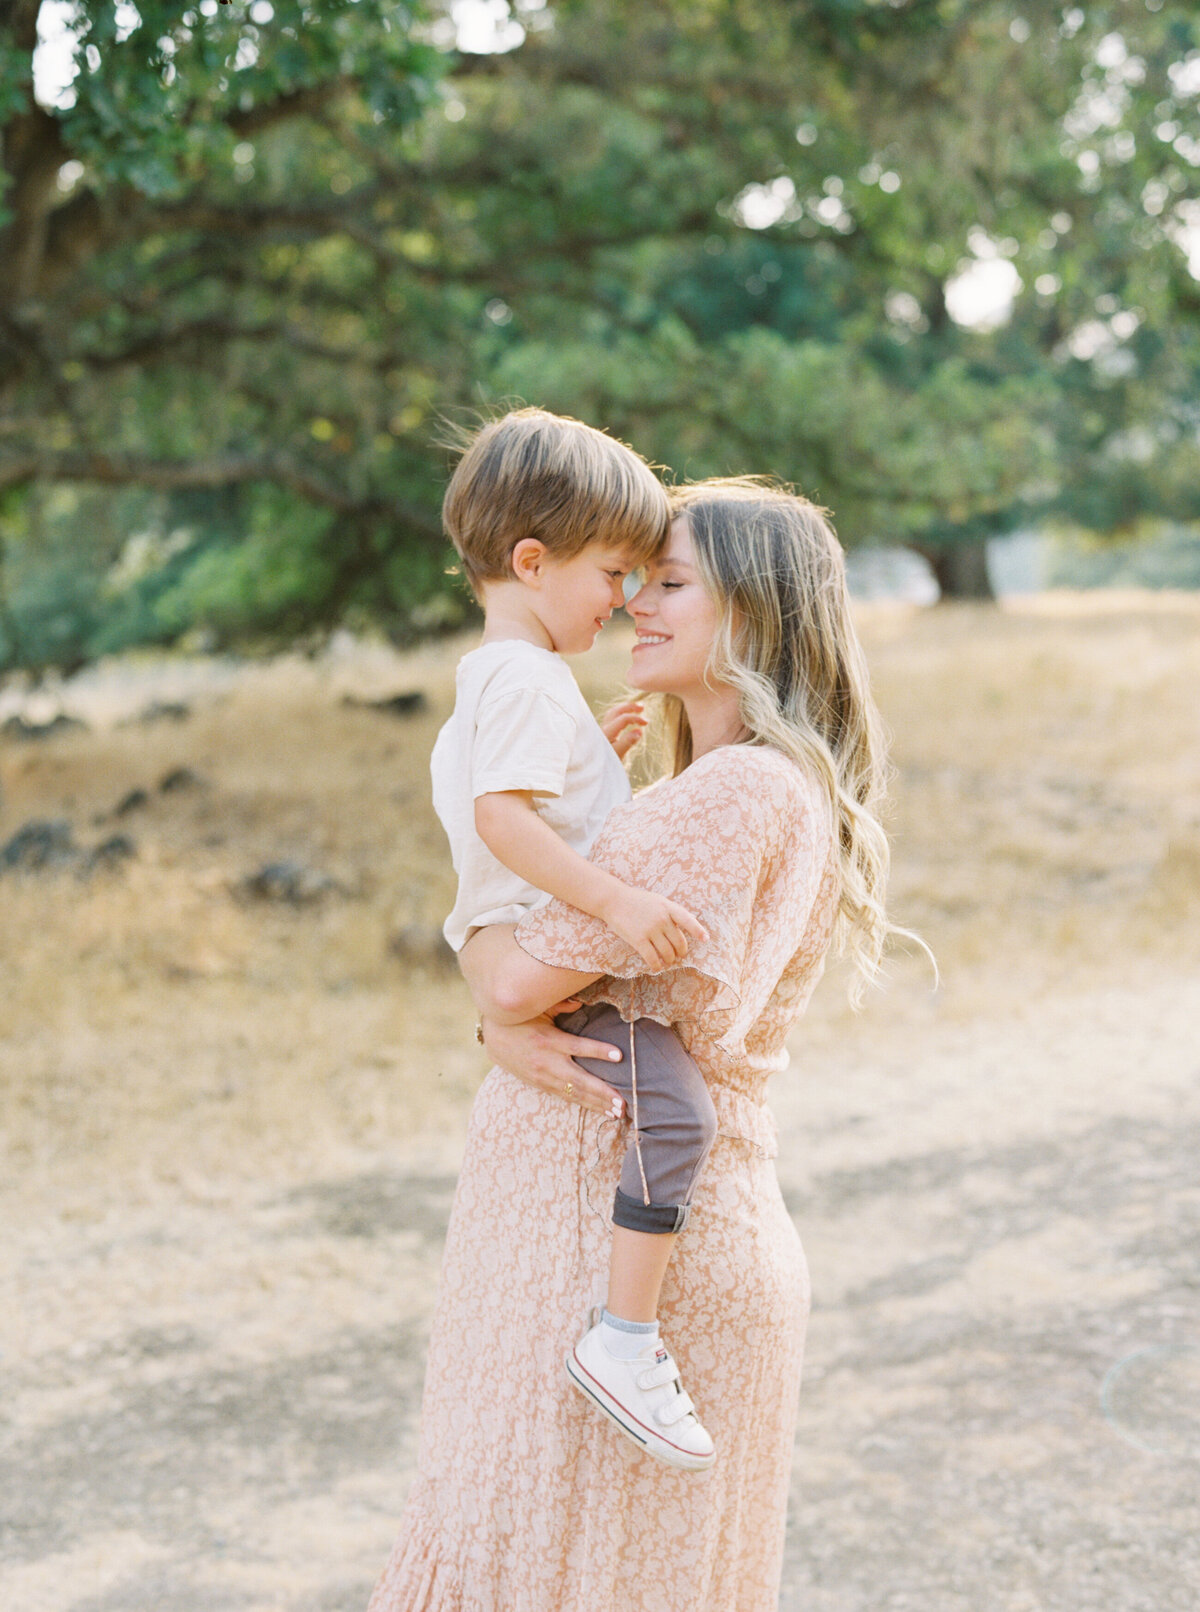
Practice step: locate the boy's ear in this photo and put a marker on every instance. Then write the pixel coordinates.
(528, 560)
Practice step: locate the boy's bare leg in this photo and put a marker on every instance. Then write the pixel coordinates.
(635, 1273)
(609, 1363)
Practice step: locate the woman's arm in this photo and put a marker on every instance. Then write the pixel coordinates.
(657, 929)
(508, 985)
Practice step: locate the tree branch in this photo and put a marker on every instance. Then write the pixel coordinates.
(33, 153)
(222, 470)
(48, 246)
(19, 19)
(153, 344)
(299, 103)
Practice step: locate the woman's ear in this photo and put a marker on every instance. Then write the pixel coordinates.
(528, 561)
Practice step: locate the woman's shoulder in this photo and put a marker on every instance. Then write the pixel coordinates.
(756, 788)
(754, 766)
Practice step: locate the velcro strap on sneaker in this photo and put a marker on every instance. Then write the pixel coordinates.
(679, 1407)
(658, 1376)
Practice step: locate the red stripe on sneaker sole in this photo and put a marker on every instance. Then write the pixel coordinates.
(605, 1400)
(615, 1420)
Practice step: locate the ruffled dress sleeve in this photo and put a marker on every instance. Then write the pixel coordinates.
(741, 839)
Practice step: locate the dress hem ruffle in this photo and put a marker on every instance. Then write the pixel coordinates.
(417, 1577)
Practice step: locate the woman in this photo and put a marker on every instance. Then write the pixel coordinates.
(525, 1500)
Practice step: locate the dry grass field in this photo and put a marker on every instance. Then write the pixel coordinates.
(231, 1124)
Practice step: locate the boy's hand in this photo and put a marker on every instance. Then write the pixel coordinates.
(660, 931)
(623, 725)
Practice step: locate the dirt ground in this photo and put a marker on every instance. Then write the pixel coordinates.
(231, 1126)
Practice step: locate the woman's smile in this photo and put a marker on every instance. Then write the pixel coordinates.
(674, 614)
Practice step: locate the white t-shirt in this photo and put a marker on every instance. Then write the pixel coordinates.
(519, 722)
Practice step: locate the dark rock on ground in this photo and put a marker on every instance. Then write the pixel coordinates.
(111, 853)
(411, 703)
(160, 711)
(18, 727)
(46, 844)
(130, 802)
(179, 779)
(43, 843)
(290, 882)
(423, 945)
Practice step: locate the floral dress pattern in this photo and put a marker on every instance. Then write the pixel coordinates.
(526, 1499)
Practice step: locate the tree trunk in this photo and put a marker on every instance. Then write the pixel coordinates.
(961, 569)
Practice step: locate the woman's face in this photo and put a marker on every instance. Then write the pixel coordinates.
(676, 621)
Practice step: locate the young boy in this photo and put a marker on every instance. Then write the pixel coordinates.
(549, 516)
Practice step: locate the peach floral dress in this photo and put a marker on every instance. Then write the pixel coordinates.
(526, 1499)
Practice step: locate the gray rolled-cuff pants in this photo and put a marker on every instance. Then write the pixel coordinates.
(676, 1121)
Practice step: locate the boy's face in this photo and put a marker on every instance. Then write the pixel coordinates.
(577, 596)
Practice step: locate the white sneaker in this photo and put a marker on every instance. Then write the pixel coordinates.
(644, 1397)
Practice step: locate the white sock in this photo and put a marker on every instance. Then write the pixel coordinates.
(625, 1340)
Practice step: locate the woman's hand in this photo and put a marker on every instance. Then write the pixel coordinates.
(623, 725)
(542, 1055)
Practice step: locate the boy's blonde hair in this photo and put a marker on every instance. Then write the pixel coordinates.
(546, 476)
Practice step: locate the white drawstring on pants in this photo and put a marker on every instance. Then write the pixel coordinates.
(637, 1136)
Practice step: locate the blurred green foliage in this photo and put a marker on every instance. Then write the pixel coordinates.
(268, 249)
(1169, 558)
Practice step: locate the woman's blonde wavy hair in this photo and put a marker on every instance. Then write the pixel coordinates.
(787, 643)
